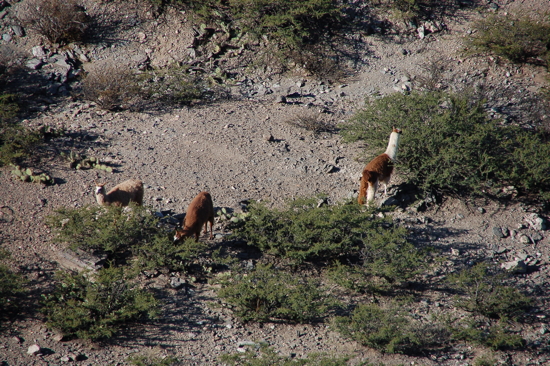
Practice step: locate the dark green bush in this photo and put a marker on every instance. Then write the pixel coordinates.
(96, 308)
(16, 141)
(149, 360)
(59, 21)
(265, 294)
(483, 292)
(332, 234)
(519, 37)
(266, 356)
(124, 234)
(450, 145)
(11, 284)
(389, 330)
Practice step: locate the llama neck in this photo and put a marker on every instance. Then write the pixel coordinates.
(101, 198)
(391, 151)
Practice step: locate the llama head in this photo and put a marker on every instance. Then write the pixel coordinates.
(180, 234)
(396, 130)
(99, 188)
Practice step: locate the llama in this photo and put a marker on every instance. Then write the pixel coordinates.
(121, 195)
(199, 213)
(379, 170)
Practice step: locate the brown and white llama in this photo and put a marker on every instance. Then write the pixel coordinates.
(379, 170)
(200, 212)
(121, 195)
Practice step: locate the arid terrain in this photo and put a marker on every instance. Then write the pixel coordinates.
(242, 147)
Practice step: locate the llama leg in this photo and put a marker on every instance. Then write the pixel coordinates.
(371, 191)
(211, 228)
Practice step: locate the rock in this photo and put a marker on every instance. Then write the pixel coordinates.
(536, 222)
(481, 210)
(18, 30)
(177, 282)
(455, 252)
(536, 237)
(515, 266)
(38, 52)
(524, 239)
(34, 64)
(34, 349)
(269, 137)
(500, 232)
(280, 99)
(6, 37)
(421, 32)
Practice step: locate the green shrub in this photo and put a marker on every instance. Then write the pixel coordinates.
(293, 23)
(519, 37)
(16, 141)
(389, 330)
(483, 293)
(124, 234)
(148, 360)
(96, 308)
(265, 294)
(59, 21)
(173, 85)
(11, 284)
(331, 234)
(450, 145)
(266, 356)
(495, 336)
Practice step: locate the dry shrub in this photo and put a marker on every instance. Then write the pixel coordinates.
(111, 87)
(59, 21)
(311, 121)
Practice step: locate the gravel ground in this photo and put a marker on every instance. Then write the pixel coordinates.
(244, 148)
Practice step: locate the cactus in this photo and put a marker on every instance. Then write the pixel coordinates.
(26, 175)
(78, 162)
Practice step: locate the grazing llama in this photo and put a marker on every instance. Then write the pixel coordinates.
(121, 195)
(199, 213)
(379, 170)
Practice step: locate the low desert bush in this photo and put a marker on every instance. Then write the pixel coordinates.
(173, 85)
(333, 234)
(266, 356)
(11, 284)
(125, 235)
(149, 360)
(389, 330)
(449, 144)
(58, 21)
(95, 306)
(16, 141)
(519, 37)
(266, 293)
(313, 122)
(483, 292)
(495, 336)
(111, 87)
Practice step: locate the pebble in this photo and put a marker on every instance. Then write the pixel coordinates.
(34, 349)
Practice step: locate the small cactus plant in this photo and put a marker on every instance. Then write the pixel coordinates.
(27, 175)
(78, 162)
(227, 214)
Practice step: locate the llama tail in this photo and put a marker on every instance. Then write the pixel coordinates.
(369, 184)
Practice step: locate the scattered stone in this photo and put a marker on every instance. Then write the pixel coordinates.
(34, 349)
(536, 237)
(524, 239)
(497, 231)
(18, 30)
(421, 32)
(518, 266)
(455, 252)
(481, 210)
(34, 64)
(177, 282)
(280, 99)
(6, 37)
(17, 339)
(536, 222)
(269, 137)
